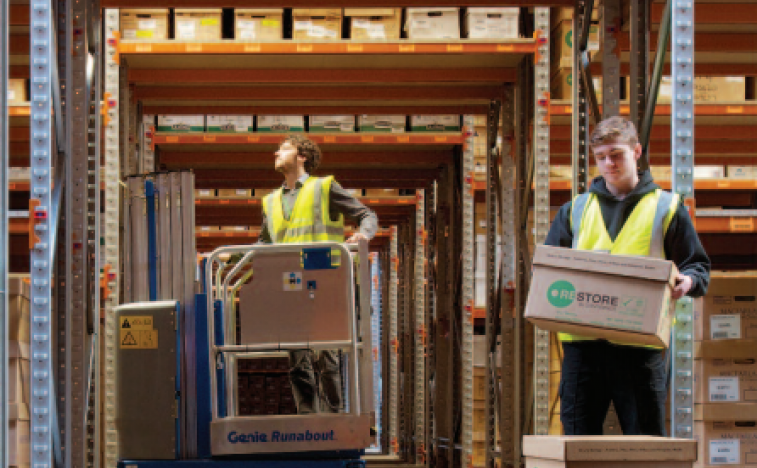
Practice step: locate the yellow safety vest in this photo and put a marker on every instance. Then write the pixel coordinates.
(643, 233)
(310, 220)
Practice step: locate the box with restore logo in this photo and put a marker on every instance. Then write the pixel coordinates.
(620, 298)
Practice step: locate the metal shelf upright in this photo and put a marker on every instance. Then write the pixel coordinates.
(4, 233)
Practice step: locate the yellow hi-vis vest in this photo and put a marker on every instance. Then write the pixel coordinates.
(310, 220)
(643, 233)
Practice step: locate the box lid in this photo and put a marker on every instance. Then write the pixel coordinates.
(144, 11)
(258, 11)
(372, 11)
(498, 10)
(620, 265)
(610, 448)
(727, 283)
(412, 11)
(209, 11)
(327, 12)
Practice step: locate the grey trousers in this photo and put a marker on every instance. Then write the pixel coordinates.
(304, 383)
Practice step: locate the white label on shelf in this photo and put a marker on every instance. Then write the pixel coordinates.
(242, 192)
(724, 389)
(186, 29)
(147, 24)
(725, 327)
(724, 452)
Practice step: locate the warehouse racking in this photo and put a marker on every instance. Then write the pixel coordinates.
(426, 251)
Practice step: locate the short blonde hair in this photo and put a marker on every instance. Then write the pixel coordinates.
(614, 129)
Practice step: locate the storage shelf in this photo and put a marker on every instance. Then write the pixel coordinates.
(702, 184)
(564, 108)
(324, 4)
(212, 139)
(368, 201)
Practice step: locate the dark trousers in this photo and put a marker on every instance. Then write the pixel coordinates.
(305, 385)
(594, 373)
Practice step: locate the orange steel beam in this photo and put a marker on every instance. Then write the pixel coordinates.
(316, 93)
(701, 184)
(703, 69)
(663, 147)
(323, 3)
(19, 15)
(714, 13)
(167, 139)
(662, 132)
(742, 225)
(410, 109)
(331, 158)
(350, 75)
(706, 42)
(664, 160)
(748, 108)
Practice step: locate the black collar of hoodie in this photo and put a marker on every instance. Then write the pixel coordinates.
(646, 184)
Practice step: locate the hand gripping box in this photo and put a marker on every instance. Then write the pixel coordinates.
(615, 297)
(608, 452)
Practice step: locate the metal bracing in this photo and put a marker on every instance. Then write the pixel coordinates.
(682, 137)
(419, 331)
(580, 117)
(493, 284)
(42, 401)
(393, 406)
(610, 59)
(4, 193)
(386, 350)
(377, 342)
(639, 60)
(509, 416)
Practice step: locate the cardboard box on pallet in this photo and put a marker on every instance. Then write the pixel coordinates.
(730, 307)
(181, 123)
(492, 23)
(17, 91)
(382, 123)
(608, 452)
(144, 24)
(331, 123)
(198, 24)
(281, 123)
(371, 24)
(726, 443)
(258, 24)
(435, 123)
(317, 24)
(229, 123)
(726, 380)
(620, 298)
(432, 23)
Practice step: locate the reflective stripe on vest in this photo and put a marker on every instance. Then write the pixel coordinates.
(309, 220)
(643, 233)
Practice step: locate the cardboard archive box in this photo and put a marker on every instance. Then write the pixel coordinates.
(726, 380)
(608, 452)
(561, 51)
(371, 24)
(726, 443)
(18, 306)
(435, 123)
(432, 23)
(17, 91)
(258, 24)
(181, 123)
(317, 24)
(197, 24)
(331, 123)
(561, 86)
(144, 24)
(620, 298)
(492, 23)
(741, 172)
(730, 308)
(281, 123)
(229, 123)
(381, 123)
(708, 89)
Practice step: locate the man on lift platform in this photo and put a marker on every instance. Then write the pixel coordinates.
(617, 216)
(312, 209)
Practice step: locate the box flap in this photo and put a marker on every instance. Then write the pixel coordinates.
(327, 12)
(372, 11)
(610, 448)
(596, 262)
(411, 11)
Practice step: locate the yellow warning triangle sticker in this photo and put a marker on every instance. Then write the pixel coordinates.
(129, 340)
(126, 323)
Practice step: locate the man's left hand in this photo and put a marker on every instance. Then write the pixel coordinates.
(683, 286)
(358, 236)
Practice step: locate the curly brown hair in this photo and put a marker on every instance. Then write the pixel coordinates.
(306, 148)
(614, 130)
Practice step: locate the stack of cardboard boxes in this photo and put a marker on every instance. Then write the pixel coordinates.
(264, 387)
(725, 373)
(561, 49)
(19, 378)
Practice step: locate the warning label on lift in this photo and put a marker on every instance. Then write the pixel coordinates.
(136, 332)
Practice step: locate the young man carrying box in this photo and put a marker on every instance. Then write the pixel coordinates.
(623, 213)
